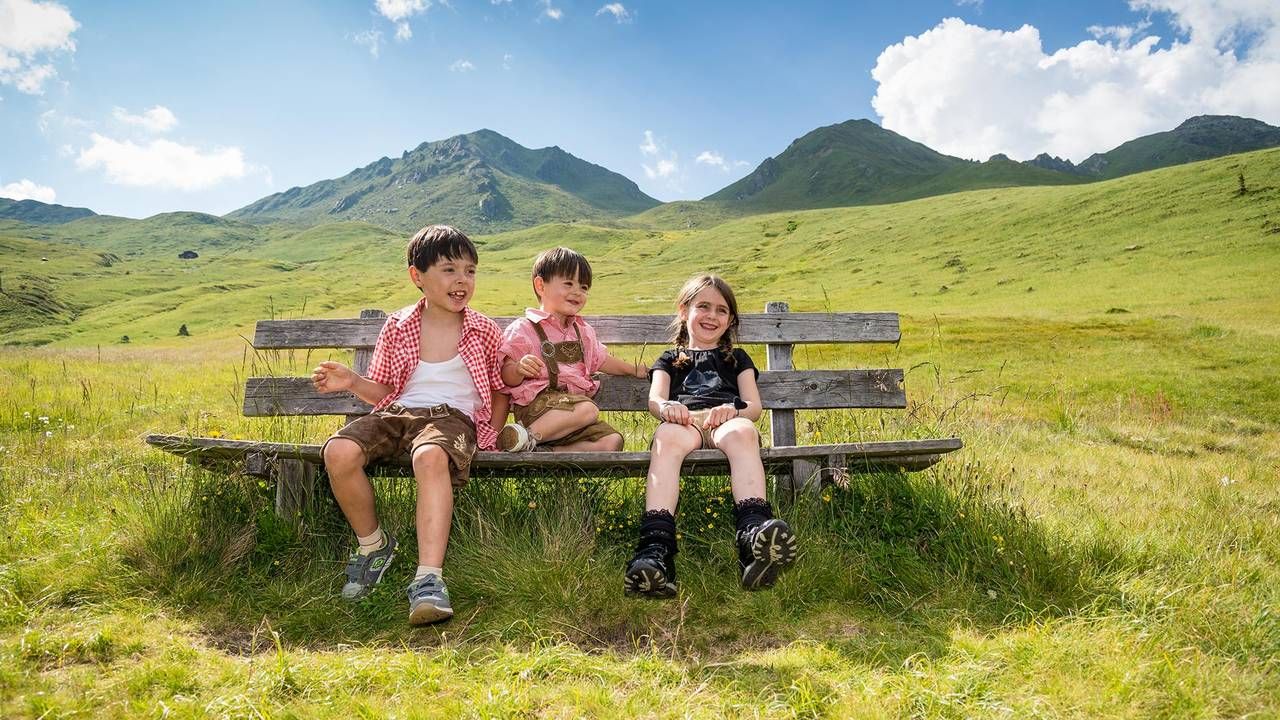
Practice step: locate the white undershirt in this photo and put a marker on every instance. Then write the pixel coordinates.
(439, 383)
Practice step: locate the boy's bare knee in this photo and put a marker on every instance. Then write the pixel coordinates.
(586, 413)
(342, 454)
(610, 443)
(430, 460)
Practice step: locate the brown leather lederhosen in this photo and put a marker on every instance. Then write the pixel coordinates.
(569, 351)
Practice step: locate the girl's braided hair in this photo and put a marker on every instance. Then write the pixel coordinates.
(679, 325)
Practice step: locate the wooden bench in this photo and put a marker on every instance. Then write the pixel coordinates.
(783, 390)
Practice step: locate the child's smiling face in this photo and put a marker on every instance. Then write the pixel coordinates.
(448, 284)
(707, 318)
(561, 296)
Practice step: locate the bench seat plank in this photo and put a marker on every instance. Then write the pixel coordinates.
(783, 390)
(870, 327)
(909, 454)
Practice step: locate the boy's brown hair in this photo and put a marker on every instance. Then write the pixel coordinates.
(434, 242)
(563, 263)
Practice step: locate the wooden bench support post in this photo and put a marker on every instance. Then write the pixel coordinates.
(295, 486)
(782, 423)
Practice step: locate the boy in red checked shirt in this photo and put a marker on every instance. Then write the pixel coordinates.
(548, 358)
(434, 384)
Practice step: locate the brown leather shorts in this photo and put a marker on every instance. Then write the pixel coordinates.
(398, 430)
(551, 399)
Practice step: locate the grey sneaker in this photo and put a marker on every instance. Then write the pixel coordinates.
(429, 601)
(365, 571)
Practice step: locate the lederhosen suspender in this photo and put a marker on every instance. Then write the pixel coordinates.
(567, 351)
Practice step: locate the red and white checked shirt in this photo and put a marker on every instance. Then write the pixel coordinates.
(396, 355)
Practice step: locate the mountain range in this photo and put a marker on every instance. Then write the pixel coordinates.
(487, 183)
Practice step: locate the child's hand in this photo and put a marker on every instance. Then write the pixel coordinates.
(331, 377)
(674, 412)
(642, 372)
(719, 415)
(530, 366)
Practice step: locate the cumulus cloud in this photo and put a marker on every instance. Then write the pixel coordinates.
(712, 158)
(976, 4)
(973, 92)
(554, 13)
(25, 189)
(665, 164)
(506, 61)
(370, 40)
(31, 33)
(157, 119)
(461, 66)
(161, 163)
(399, 12)
(617, 10)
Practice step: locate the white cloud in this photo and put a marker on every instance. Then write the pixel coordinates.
(370, 39)
(161, 163)
(712, 158)
(976, 4)
(667, 163)
(970, 91)
(399, 12)
(506, 61)
(620, 13)
(461, 66)
(31, 32)
(554, 13)
(25, 189)
(157, 119)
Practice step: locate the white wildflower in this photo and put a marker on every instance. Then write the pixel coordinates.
(48, 433)
(44, 419)
(991, 594)
(1225, 481)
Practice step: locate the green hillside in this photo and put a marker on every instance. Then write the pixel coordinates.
(1199, 138)
(35, 212)
(860, 163)
(481, 181)
(1077, 251)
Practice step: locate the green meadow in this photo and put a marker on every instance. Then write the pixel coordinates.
(1107, 544)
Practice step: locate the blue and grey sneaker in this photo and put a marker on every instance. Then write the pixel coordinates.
(365, 571)
(429, 601)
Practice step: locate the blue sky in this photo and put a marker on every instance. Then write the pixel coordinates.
(134, 108)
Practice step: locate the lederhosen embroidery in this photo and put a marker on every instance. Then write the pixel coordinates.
(568, 351)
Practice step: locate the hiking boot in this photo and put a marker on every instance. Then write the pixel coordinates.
(651, 573)
(763, 551)
(429, 601)
(515, 437)
(365, 571)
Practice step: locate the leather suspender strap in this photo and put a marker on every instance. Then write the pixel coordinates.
(547, 349)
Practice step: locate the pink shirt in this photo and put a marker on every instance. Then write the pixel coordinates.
(520, 339)
(396, 354)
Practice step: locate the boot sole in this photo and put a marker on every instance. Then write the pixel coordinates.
(648, 581)
(774, 549)
(426, 613)
(508, 439)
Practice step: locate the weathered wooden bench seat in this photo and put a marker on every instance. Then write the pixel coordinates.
(782, 388)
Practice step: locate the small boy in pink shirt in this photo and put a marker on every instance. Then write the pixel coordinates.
(547, 359)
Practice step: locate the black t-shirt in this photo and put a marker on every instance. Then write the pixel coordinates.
(706, 379)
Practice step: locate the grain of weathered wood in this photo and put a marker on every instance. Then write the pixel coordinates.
(789, 390)
(363, 356)
(873, 327)
(911, 454)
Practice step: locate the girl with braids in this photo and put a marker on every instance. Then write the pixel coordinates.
(704, 391)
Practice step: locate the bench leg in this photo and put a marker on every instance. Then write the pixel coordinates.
(295, 486)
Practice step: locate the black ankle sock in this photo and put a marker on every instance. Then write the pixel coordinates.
(751, 511)
(658, 527)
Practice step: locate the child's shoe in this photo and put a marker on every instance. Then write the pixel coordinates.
(429, 601)
(651, 573)
(365, 571)
(763, 551)
(515, 437)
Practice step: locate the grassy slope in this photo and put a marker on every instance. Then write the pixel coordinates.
(1106, 544)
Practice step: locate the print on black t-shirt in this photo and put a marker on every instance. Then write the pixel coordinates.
(706, 379)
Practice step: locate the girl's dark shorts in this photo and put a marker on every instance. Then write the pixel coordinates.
(398, 430)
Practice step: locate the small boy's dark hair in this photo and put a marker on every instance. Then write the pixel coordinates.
(434, 242)
(563, 263)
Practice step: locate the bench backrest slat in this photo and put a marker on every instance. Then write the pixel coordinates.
(787, 328)
(790, 390)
